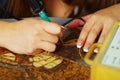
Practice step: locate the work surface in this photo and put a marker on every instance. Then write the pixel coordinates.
(63, 64)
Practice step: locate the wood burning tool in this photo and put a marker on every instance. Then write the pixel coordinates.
(38, 8)
(106, 64)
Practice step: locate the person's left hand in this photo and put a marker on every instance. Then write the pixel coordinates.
(100, 21)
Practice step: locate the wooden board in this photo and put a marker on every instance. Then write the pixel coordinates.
(21, 67)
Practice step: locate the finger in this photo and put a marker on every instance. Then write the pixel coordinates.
(84, 33)
(106, 28)
(51, 27)
(103, 35)
(61, 34)
(37, 51)
(101, 39)
(49, 37)
(94, 32)
(47, 46)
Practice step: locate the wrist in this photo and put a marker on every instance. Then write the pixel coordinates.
(4, 31)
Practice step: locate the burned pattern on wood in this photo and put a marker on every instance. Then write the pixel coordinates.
(63, 64)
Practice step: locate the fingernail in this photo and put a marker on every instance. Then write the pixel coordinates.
(85, 50)
(86, 47)
(78, 46)
(80, 43)
(96, 51)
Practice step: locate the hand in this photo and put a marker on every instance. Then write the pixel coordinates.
(100, 21)
(25, 36)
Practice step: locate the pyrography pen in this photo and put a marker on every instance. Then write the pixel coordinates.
(38, 8)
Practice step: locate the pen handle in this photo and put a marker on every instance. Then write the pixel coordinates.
(44, 17)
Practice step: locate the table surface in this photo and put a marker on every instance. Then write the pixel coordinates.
(72, 67)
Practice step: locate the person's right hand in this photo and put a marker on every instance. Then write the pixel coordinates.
(25, 36)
